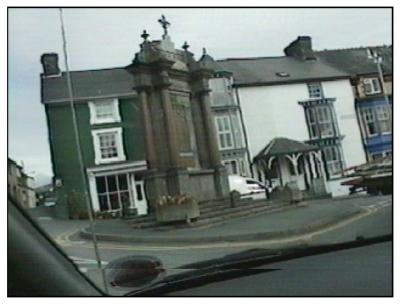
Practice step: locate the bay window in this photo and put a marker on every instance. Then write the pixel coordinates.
(221, 94)
(333, 158)
(224, 131)
(376, 120)
(383, 118)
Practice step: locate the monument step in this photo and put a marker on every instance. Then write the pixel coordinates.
(215, 217)
(238, 206)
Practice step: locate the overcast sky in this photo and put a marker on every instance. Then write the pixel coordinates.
(103, 38)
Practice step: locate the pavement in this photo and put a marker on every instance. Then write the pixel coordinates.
(309, 217)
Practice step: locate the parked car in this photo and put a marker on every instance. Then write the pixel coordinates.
(49, 202)
(247, 187)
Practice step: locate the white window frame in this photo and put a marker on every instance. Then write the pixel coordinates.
(373, 85)
(315, 126)
(368, 116)
(224, 133)
(327, 121)
(313, 88)
(119, 143)
(94, 120)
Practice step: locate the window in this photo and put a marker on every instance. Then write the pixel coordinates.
(383, 118)
(282, 74)
(320, 121)
(113, 191)
(371, 86)
(220, 92)
(224, 132)
(237, 131)
(108, 145)
(376, 120)
(315, 90)
(325, 121)
(312, 122)
(369, 121)
(231, 166)
(333, 158)
(105, 111)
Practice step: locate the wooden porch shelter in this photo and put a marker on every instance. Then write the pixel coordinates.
(291, 161)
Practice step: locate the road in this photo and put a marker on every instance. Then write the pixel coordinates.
(378, 222)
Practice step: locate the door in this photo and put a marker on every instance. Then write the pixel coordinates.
(140, 202)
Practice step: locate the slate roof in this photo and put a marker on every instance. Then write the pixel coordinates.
(88, 85)
(330, 64)
(265, 71)
(282, 145)
(355, 61)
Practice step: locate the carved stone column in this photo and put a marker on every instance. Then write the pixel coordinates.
(202, 90)
(212, 143)
(169, 120)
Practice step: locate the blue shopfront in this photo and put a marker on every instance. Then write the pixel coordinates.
(376, 126)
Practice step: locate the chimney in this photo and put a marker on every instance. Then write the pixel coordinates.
(301, 48)
(50, 64)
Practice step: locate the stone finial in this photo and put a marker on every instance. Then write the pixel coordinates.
(204, 51)
(165, 24)
(185, 46)
(145, 35)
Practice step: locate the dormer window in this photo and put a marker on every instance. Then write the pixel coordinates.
(371, 86)
(104, 111)
(282, 74)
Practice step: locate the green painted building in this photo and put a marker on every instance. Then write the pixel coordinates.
(145, 130)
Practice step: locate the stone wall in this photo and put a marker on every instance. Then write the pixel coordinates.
(201, 184)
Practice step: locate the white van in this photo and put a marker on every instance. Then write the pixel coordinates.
(247, 187)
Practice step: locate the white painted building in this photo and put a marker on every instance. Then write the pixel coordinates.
(299, 97)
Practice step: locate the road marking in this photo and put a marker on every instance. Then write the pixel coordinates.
(44, 218)
(379, 205)
(79, 260)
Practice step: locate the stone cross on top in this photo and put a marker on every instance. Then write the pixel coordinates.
(165, 24)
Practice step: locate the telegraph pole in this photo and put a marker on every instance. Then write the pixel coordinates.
(79, 151)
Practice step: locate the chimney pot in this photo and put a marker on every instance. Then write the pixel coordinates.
(50, 64)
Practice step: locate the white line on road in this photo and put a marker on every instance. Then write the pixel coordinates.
(79, 260)
(379, 205)
(44, 218)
